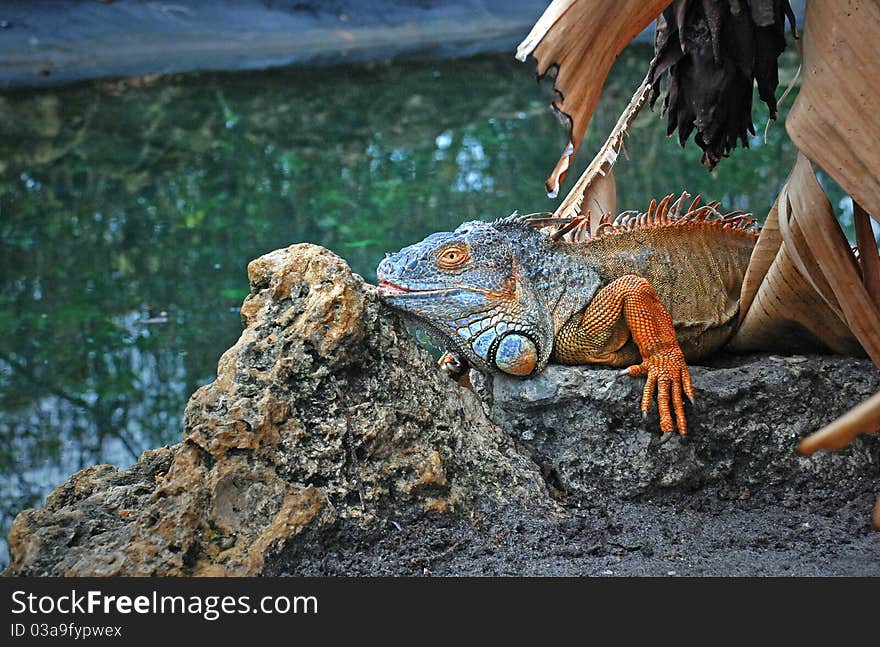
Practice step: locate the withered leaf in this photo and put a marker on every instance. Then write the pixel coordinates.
(578, 40)
(803, 285)
(711, 54)
(835, 120)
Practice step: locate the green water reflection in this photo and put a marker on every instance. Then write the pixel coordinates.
(128, 215)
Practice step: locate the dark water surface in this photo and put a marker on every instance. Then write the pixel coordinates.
(128, 213)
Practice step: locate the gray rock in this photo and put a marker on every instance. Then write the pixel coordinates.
(51, 42)
(583, 425)
(326, 411)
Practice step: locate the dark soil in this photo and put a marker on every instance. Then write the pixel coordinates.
(704, 533)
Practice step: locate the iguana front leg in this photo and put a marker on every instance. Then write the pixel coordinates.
(456, 367)
(629, 307)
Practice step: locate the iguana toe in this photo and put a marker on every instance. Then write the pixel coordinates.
(456, 367)
(667, 377)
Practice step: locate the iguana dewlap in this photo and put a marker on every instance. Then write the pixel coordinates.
(647, 292)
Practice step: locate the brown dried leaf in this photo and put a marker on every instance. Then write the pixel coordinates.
(804, 297)
(829, 248)
(863, 418)
(835, 121)
(595, 190)
(765, 252)
(579, 40)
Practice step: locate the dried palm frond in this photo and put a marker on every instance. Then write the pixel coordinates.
(712, 53)
(803, 285)
(835, 119)
(577, 41)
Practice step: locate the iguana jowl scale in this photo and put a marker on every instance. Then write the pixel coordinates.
(647, 291)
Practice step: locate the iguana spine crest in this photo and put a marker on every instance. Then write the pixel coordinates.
(666, 212)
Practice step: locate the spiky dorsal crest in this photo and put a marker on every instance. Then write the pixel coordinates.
(524, 221)
(666, 213)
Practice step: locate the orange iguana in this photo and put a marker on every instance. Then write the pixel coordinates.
(674, 283)
(646, 291)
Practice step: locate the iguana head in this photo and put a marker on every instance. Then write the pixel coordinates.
(466, 288)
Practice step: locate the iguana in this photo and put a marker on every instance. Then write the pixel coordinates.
(647, 291)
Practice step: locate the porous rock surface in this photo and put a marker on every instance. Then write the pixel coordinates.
(584, 425)
(330, 444)
(319, 413)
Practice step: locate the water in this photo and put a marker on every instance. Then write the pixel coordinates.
(129, 211)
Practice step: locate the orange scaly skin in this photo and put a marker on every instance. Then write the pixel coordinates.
(628, 307)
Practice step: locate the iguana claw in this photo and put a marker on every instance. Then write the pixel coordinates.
(452, 364)
(456, 367)
(668, 375)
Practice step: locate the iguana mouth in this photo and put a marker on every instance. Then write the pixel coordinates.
(388, 289)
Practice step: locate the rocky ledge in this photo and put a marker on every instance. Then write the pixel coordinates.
(584, 427)
(330, 444)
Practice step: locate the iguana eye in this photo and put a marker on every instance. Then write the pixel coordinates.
(452, 257)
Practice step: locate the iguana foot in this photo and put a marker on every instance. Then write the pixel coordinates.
(453, 365)
(456, 367)
(668, 375)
